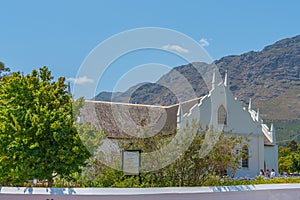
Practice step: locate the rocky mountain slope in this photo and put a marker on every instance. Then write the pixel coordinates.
(271, 77)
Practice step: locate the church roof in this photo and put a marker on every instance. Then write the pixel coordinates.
(120, 120)
(113, 117)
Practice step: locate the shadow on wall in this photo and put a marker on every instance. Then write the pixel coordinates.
(61, 191)
(232, 188)
(29, 190)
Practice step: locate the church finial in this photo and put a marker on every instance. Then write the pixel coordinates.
(179, 111)
(272, 127)
(226, 79)
(250, 104)
(213, 81)
(179, 115)
(272, 130)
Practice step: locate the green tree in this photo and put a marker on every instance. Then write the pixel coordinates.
(289, 158)
(3, 69)
(37, 130)
(190, 169)
(293, 146)
(194, 170)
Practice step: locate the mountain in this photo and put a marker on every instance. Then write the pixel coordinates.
(271, 77)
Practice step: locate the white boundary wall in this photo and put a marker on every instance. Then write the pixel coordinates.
(146, 191)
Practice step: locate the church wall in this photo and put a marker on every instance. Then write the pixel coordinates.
(205, 112)
(271, 157)
(239, 122)
(256, 158)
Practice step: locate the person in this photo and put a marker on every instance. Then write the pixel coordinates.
(261, 172)
(268, 173)
(272, 175)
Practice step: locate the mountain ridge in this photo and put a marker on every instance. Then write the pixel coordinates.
(271, 77)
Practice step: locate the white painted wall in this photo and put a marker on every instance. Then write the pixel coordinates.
(247, 192)
(256, 158)
(239, 121)
(271, 157)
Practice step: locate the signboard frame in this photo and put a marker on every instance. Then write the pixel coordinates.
(129, 164)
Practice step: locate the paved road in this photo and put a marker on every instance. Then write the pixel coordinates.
(285, 194)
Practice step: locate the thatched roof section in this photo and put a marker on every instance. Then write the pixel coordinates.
(123, 120)
(187, 105)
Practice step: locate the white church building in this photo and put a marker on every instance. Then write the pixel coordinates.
(219, 109)
(226, 113)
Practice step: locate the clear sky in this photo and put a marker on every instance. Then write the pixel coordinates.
(60, 34)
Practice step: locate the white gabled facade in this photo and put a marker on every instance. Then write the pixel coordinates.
(224, 112)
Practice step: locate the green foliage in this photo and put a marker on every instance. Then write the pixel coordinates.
(121, 181)
(3, 70)
(190, 169)
(37, 132)
(289, 158)
(258, 180)
(293, 146)
(90, 137)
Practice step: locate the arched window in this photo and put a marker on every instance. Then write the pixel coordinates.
(245, 159)
(222, 115)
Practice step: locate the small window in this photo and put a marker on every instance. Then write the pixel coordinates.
(222, 115)
(245, 159)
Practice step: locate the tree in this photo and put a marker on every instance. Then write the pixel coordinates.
(37, 130)
(190, 169)
(293, 146)
(3, 70)
(289, 158)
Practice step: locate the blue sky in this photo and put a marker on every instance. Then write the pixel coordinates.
(60, 34)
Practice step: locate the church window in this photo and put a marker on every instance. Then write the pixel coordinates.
(222, 115)
(245, 159)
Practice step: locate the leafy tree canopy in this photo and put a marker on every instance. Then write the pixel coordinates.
(37, 130)
(3, 69)
(289, 158)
